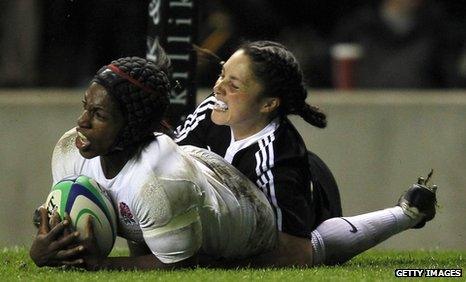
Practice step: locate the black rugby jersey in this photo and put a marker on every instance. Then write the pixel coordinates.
(299, 186)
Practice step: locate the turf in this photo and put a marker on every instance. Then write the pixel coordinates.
(15, 265)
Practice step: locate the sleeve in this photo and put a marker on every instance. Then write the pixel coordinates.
(64, 157)
(288, 190)
(303, 193)
(196, 126)
(325, 189)
(168, 213)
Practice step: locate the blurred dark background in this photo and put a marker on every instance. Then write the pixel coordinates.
(406, 43)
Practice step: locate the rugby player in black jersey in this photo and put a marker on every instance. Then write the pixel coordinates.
(245, 121)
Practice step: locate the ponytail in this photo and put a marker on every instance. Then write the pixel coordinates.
(312, 114)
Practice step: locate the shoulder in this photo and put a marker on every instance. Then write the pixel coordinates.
(168, 164)
(66, 143)
(288, 143)
(198, 117)
(162, 155)
(319, 169)
(282, 142)
(284, 159)
(162, 142)
(64, 156)
(281, 148)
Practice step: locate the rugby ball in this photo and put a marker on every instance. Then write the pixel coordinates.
(80, 198)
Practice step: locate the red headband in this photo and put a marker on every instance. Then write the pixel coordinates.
(124, 75)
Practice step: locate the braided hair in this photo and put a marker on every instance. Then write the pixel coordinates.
(281, 76)
(141, 89)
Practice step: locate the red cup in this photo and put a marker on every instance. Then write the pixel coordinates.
(345, 57)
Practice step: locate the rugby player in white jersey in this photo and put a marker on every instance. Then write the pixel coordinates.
(177, 201)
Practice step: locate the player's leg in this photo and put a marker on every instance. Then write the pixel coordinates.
(339, 239)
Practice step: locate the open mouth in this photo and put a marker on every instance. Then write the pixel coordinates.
(220, 106)
(81, 141)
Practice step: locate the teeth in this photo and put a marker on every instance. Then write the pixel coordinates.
(83, 138)
(221, 106)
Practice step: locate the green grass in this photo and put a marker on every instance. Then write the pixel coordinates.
(15, 265)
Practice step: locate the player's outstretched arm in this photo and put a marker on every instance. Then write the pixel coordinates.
(92, 260)
(291, 251)
(147, 262)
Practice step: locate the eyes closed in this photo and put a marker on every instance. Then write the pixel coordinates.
(231, 83)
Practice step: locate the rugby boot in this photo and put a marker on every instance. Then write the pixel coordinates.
(420, 201)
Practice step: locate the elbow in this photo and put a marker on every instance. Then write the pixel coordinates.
(189, 263)
(295, 251)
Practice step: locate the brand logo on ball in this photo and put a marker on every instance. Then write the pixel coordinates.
(51, 207)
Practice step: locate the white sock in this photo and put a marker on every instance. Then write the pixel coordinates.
(337, 240)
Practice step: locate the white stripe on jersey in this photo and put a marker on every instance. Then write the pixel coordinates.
(182, 135)
(262, 156)
(193, 119)
(259, 157)
(271, 153)
(263, 188)
(205, 105)
(258, 160)
(265, 161)
(265, 155)
(263, 145)
(274, 201)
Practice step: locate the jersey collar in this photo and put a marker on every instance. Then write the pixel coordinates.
(236, 146)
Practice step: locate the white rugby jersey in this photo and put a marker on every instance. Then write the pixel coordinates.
(179, 200)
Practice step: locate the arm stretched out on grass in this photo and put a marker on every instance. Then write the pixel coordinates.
(58, 245)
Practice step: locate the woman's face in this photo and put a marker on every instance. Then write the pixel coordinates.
(99, 124)
(239, 101)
